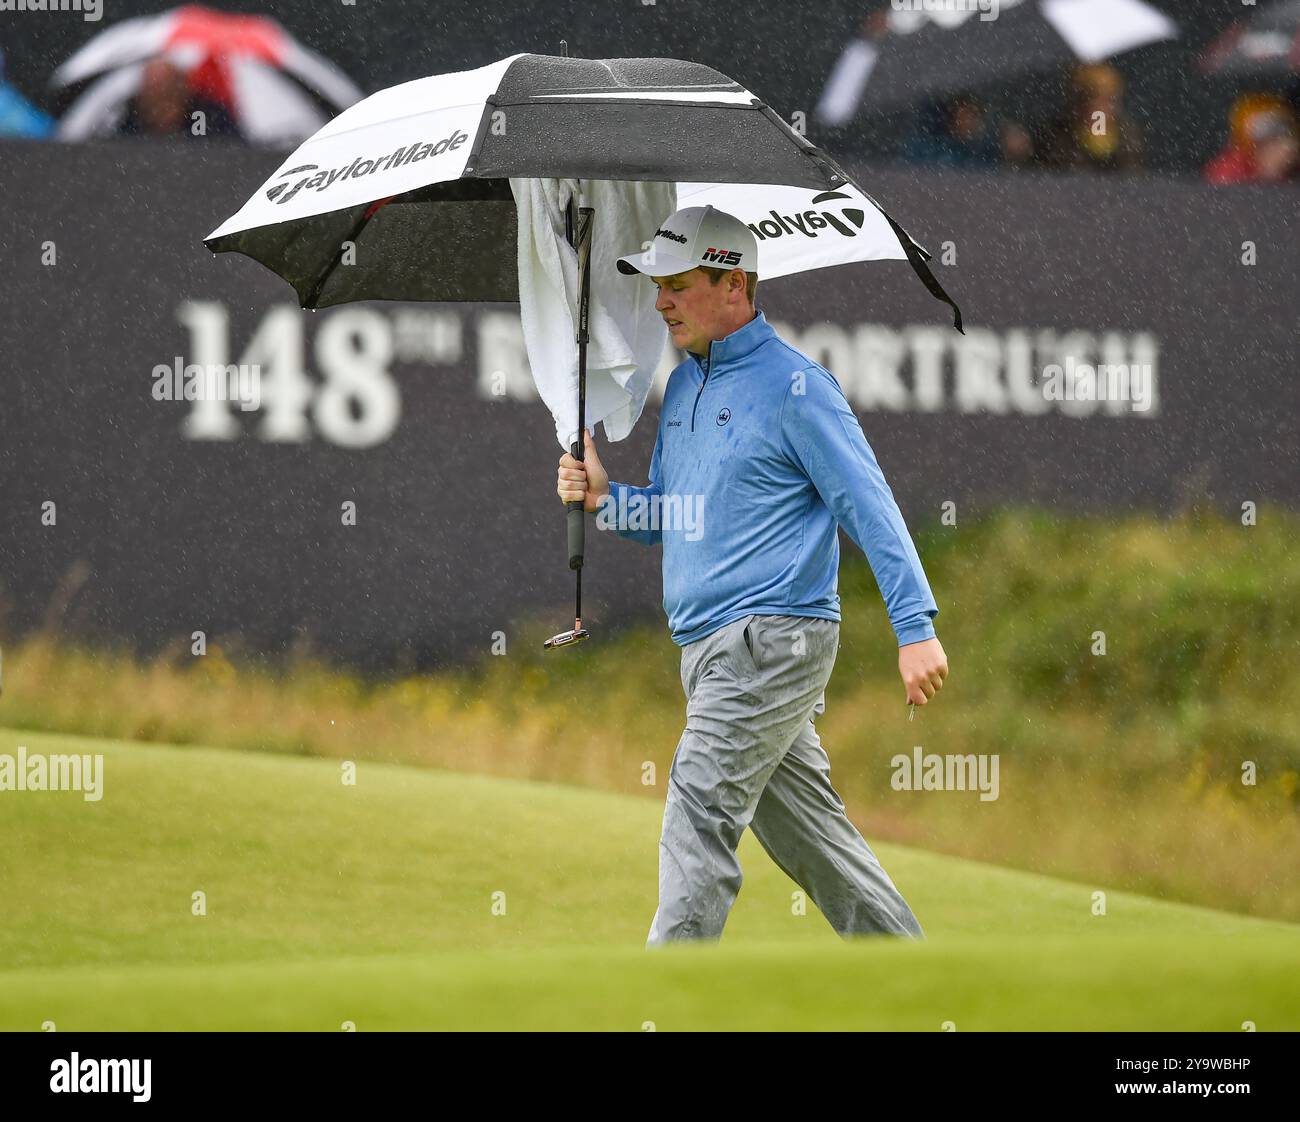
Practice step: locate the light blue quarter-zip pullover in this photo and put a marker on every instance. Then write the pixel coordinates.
(758, 457)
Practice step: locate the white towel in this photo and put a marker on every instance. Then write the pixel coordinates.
(627, 335)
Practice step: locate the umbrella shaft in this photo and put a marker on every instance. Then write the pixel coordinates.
(577, 524)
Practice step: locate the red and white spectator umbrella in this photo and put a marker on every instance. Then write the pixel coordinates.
(275, 90)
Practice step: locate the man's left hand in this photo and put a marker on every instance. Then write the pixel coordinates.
(923, 667)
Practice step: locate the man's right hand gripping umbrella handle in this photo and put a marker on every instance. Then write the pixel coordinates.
(582, 484)
(575, 514)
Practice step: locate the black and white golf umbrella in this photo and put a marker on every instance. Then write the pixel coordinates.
(415, 178)
(931, 50)
(411, 194)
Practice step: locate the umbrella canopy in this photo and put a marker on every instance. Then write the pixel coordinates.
(415, 178)
(926, 53)
(1264, 47)
(275, 90)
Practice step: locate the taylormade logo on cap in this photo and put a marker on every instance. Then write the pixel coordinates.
(695, 236)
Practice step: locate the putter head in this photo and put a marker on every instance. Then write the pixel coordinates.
(564, 638)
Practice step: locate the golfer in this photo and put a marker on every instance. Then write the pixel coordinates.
(758, 457)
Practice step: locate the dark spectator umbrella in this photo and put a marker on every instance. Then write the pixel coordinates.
(907, 52)
(412, 185)
(1261, 48)
(248, 68)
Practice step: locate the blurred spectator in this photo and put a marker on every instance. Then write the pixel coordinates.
(18, 116)
(959, 133)
(1017, 144)
(1096, 131)
(1262, 144)
(165, 106)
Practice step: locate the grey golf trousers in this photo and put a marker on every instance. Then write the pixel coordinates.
(750, 756)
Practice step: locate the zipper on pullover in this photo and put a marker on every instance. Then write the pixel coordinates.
(697, 402)
(708, 358)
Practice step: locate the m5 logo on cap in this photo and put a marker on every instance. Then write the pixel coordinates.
(722, 256)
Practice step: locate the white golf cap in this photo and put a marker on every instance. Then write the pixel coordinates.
(694, 236)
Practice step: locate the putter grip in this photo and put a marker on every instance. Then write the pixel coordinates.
(576, 516)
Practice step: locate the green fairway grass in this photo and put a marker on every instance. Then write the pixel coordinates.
(378, 904)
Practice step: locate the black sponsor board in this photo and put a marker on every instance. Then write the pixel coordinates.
(129, 519)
